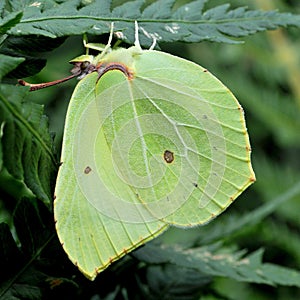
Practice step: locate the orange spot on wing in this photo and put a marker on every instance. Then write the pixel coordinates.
(252, 179)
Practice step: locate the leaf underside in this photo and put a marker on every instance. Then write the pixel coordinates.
(168, 147)
(159, 20)
(236, 266)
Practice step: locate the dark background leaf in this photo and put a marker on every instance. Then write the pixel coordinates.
(28, 151)
(32, 49)
(31, 271)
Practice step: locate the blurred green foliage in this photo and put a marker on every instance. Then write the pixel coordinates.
(264, 74)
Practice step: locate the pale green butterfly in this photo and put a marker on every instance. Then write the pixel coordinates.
(150, 140)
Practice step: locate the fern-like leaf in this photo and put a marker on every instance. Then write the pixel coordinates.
(231, 224)
(188, 23)
(28, 154)
(8, 63)
(10, 21)
(207, 261)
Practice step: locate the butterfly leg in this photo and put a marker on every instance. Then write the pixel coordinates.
(99, 47)
(136, 35)
(137, 41)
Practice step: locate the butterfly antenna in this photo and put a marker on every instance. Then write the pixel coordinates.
(39, 86)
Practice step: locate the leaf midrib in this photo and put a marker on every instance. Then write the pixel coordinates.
(182, 21)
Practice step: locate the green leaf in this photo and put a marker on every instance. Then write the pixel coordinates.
(8, 63)
(27, 146)
(30, 49)
(187, 284)
(32, 236)
(281, 275)
(188, 23)
(236, 266)
(10, 21)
